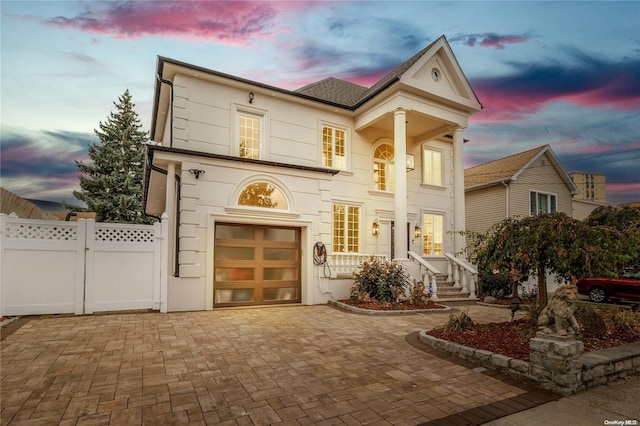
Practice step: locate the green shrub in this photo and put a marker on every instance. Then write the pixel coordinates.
(494, 283)
(380, 280)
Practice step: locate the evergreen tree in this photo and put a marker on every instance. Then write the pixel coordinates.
(112, 186)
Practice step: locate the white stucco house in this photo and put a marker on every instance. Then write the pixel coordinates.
(252, 177)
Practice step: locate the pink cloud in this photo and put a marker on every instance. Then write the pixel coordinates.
(231, 21)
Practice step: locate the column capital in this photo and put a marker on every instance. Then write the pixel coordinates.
(457, 128)
(400, 110)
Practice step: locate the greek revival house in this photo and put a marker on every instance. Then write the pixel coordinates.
(276, 196)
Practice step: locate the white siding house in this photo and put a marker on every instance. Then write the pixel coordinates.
(253, 177)
(523, 184)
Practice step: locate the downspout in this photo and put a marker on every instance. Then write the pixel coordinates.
(155, 168)
(170, 84)
(506, 186)
(164, 172)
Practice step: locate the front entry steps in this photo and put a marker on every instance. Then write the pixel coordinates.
(450, 295)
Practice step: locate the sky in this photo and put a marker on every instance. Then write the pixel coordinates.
(566, 74)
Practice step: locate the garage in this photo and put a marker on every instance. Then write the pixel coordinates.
(256, 265)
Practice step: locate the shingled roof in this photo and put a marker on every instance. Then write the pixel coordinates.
(504, 169)
(349, 94)
(334, 90)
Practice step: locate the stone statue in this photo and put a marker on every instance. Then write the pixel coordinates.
(557, 317)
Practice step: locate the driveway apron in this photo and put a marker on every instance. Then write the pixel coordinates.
(294, 365)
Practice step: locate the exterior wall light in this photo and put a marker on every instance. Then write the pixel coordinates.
(375, 229)
(411, 162)
(251, 95)
(417, 231)
(196, 172)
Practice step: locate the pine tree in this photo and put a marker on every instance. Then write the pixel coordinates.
(112, 186)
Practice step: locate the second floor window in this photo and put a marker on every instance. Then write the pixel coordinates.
(542, 203)
(334, 148)
(431, 167)
(383, 169)
(346, 228)
(250, 135)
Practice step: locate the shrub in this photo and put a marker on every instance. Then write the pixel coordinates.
(380, 280)
(419, 295)
(494, 283)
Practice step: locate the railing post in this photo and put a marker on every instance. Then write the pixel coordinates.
(472, 287)
(434, 287)
(456, 276)
(463, 273)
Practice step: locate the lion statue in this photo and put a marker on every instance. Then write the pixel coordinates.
(559, 311)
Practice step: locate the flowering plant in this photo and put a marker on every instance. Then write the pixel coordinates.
(380, 280)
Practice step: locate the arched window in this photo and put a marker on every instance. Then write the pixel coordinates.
(383, 170)
(263, 194)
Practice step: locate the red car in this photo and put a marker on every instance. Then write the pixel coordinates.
(626, 288)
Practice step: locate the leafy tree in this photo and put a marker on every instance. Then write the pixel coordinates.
(112, 185)
(566, 247)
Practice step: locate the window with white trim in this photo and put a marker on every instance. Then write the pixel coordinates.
(542, 203)
(250, 135)
(431, 166)
(334, 147)
(383, 168)
(346, 228)
(432, 234)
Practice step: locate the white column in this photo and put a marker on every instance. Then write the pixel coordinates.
(400, 197)
(458, 191)
(170, 204)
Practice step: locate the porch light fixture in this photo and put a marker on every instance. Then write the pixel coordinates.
(417, 231)
(251, 95)
(375, 229)
(196, 172)
(411, 162)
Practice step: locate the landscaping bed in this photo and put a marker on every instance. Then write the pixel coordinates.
(403, 305)
(512, 338)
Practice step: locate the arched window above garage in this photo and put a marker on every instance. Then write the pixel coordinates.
(263, 194)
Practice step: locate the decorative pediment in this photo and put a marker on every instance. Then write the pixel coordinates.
(437, 72)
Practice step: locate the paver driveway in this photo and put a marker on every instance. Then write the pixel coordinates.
(279, 365)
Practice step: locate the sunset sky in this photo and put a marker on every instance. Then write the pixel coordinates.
(565, 74)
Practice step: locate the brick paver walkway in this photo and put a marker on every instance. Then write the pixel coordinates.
(297, 365)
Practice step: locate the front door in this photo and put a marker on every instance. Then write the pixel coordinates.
(256, 265)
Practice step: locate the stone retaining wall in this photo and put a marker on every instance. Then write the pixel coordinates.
(564, 369)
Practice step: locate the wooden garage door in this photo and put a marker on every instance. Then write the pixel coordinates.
(256, 265)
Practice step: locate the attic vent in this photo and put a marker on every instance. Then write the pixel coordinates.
(435, 74)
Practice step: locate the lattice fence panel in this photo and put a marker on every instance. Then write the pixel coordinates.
(124, 235)
(19, 231)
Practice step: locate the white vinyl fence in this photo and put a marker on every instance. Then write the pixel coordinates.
(53, 267)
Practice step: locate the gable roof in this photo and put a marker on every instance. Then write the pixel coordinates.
(507, 169)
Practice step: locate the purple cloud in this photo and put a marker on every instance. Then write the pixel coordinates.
(497, 41)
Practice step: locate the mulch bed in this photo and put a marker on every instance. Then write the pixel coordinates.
(404, 305)
(512, 338)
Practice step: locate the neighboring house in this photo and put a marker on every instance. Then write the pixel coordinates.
(523, 184)
(259, 182)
